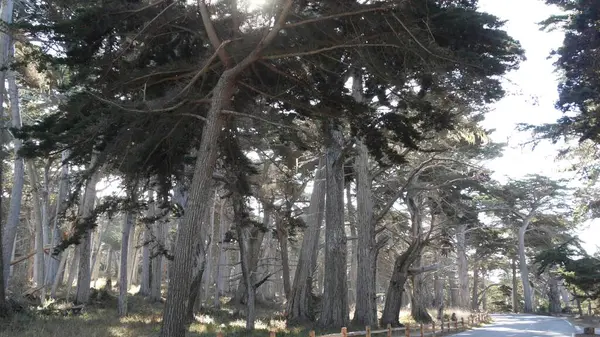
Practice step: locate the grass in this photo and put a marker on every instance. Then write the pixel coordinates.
(101, 320)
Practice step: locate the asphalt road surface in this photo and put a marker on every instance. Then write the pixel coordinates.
(524, 326)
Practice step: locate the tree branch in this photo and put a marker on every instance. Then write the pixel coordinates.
(212, 34)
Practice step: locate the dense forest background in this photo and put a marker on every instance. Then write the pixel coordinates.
(172, 167)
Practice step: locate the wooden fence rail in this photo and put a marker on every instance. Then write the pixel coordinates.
(419, 330)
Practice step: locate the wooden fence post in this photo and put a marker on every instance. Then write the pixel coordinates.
(271, 333)
(421, 328)
(449, 326)
(311, 333)
(407, 330)
(462, 322)
(220, 334)
(389, 330)
(456, 324)
(368, 330)
(344, 332)
(433, 328)
(442, 325)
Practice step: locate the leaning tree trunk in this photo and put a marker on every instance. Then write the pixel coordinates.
(334, 312)
(366, 304)
(463, 268)
(87, 208)
(199, 193)
(199, 196)
(300, 308)
(353, 265)
(39, 230)
(527, 293)
(123, 284)
(4, 308)
(197, 273)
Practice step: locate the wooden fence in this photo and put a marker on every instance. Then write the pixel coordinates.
(419, 330)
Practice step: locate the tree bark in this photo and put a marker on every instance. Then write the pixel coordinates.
(438, 289)
(73, 269)
(463, 268)
(366, 301)
(39, 230)
(334, 312)
(300, 306)
(87, 207)
(527, 293)
(123, 283)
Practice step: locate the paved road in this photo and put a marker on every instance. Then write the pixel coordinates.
(523, 326)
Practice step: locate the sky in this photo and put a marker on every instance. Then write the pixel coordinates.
(532, 92)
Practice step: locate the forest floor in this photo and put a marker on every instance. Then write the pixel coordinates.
(100, 319)
(585, 321)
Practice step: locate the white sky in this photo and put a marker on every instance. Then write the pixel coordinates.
(532, 93)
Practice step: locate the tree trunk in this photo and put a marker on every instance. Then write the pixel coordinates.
(59, 273)
(10, 228)
(87, 207)
(282, 238)
(418, 308)
(123, 283)
(393, 295)
(515, 286)
(39, 230)
(198, 271)
(553, 294)
(73, 269)
(438, 289)
(4, 308)
(454, 289)
(157, 258)
(132, 258)
(63, 189)
(334, 312)
(243, 229)
(209, 260)
(14, 212)
(146, 269)
(300, 306)
(463, 268)
(352, 268)
(527, 294)
(366, 301)
(474, 296)
(220, 279)
(199, 196)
